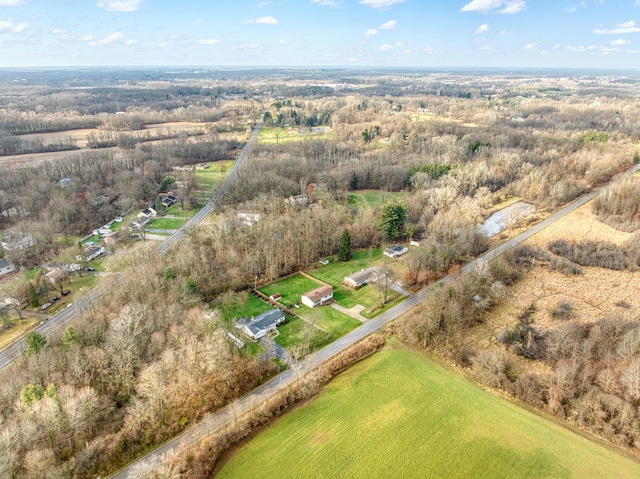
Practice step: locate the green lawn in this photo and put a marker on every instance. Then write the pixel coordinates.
(397, 414)
(214, 173)
(166, 223)
(297, 332)
(334, 272)
(178, 212)
(374, 198)
(291, 289)
(327, 318)
(246, 305)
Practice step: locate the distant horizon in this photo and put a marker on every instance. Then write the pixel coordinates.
(590, 34)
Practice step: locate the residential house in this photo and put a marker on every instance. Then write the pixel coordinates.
(55, 275)
(249, 219)
(318, 297)
(259, 326)
(148, 213)
(93, 252)
(168, 200)
(364, 276)
(139, 223)
(395, 251)
(14, 241)
(299, 200)
(6, 267)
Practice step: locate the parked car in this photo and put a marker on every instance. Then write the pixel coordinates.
(45, 306)
(54, 299)
(65, 292)
(90, 269)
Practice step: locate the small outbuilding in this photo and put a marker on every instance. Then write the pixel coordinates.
(318, 297)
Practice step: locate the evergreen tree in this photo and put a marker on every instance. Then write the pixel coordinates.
(32, 296)
(35, 342)
(344, 251)
(353, 182)
(392, 219)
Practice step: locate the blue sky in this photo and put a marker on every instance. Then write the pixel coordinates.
(360, 33)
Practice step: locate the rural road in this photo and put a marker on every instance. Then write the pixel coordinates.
(270, 388)
(11, 352)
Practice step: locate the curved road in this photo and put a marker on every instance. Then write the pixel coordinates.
(270, 388)
(11, 352)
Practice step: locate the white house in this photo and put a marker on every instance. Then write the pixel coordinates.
(6, 267)
(395, 251)
(259, 326)
(148, 213)
(318, 297)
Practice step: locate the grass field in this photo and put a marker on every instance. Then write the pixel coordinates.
(246, 305)
(166, 223)
(334, 272)
(282, 135)
(291, 289)
(214, 173)
(17, 329)
(374, 198)
(330, 320)
(296, 332)
(397, 414)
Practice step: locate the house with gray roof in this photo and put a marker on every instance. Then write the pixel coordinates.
(364, 276)
(259, 326)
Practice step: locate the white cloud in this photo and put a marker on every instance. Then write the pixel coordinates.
(482, 28)
(621, 29)
(58, 31)
(327, 3)
(197, 23)
(10, 3)
(556, 46)
(506, 32)
(507, 7)
(130, 43)
(269, 20)
(428, 50)
(208, 41)
(371, 31)
(581, 48)
(487, 47)
(86, 38)
(530, 47)
(351, 59)
(399, 44)
(390, 25)
(619, 42)
(108, 40)
(283, 41)
(380, 4)
(7, 26)
(120, 5)
(262, 4)
(164, 45)
(570, 9)
(384, 48)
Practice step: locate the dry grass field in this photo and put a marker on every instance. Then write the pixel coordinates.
(598, 293)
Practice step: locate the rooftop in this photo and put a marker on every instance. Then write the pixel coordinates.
(319, 293)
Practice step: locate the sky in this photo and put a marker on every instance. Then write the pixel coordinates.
(599, 34)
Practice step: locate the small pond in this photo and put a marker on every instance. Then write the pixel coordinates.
(498, 221)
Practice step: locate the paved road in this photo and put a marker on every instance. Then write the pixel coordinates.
(11, 352)
(270, 388)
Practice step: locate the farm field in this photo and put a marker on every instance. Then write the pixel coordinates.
(397, 414)
(286, 135)
(215, 173)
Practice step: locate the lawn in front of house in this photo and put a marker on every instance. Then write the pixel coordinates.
(214, 173)
(335, 272)
(325, 317)
(291, 289)
(296, 332)
(241, 305)
(17, 327)
(398, 414)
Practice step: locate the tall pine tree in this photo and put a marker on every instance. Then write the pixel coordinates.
(344, 251)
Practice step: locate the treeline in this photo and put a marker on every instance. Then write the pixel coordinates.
(11, 145)
(619, 205)
(146, 365)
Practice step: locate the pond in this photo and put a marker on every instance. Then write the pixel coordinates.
(499, 221)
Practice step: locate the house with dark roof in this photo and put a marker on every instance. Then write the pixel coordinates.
(318, 297)
(6, 267)
(259, 326)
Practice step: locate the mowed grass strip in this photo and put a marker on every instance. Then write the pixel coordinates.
(397, 414)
